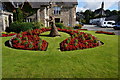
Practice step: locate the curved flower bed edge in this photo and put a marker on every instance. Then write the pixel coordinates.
(30, 40)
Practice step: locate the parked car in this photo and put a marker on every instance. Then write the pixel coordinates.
(117, 26)
(108, 24)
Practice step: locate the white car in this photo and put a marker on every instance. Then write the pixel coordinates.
(108, 24)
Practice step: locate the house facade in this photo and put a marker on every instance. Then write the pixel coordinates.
(5, 19)
(63, 12)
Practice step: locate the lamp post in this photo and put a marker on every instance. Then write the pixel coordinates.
(54, 32)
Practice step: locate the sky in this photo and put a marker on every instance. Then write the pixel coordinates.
(95, 4)
(91, 4)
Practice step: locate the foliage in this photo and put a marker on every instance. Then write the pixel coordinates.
(79, 16)
(61, 26)
(68, 27)
(78, 26)
(26, 10)
(88, 14)
(18, 15)
(19, 27)
(38, 25)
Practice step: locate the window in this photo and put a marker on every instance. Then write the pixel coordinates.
(113, 23)
(57, 10)
(109, 22)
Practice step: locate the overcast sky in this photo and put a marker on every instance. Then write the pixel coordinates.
(95, 4)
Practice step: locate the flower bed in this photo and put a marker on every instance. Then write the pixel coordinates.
(29, 40)
(8, 34)
(103, 32)
(79, 40)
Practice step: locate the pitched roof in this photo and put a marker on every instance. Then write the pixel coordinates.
(39, 3)
(100, 12)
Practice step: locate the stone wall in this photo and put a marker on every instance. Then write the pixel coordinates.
(67, 16)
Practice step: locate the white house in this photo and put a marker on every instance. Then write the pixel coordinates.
(5, 19)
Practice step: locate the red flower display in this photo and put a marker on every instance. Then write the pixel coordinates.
(6, 35)
(30, 40)
(80, 40)
(103, 32)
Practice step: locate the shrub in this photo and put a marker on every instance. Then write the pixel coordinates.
(68, 27)
(60, 25)
(20, 27)
(38, 25)
(78, 26)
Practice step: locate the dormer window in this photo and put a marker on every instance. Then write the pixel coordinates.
(57, 10)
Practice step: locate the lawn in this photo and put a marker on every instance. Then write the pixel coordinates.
(98, 62)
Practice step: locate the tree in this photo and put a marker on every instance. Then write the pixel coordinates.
(79, 16)
(108, 13)
(19, 15)
(118, 15)
(92, 15)
(114, 12)
(24, 10)
(87, 15)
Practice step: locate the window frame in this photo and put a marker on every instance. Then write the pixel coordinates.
(56, 10)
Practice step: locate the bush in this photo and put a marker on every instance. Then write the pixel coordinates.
(38, 25)
(68, 27)
(78, 26)
(19, 27)
(8, 29)
(61, 26)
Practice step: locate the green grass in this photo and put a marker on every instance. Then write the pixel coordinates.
(98, 62)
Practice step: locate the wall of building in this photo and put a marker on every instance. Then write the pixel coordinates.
(4, 20)
(68, 15)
